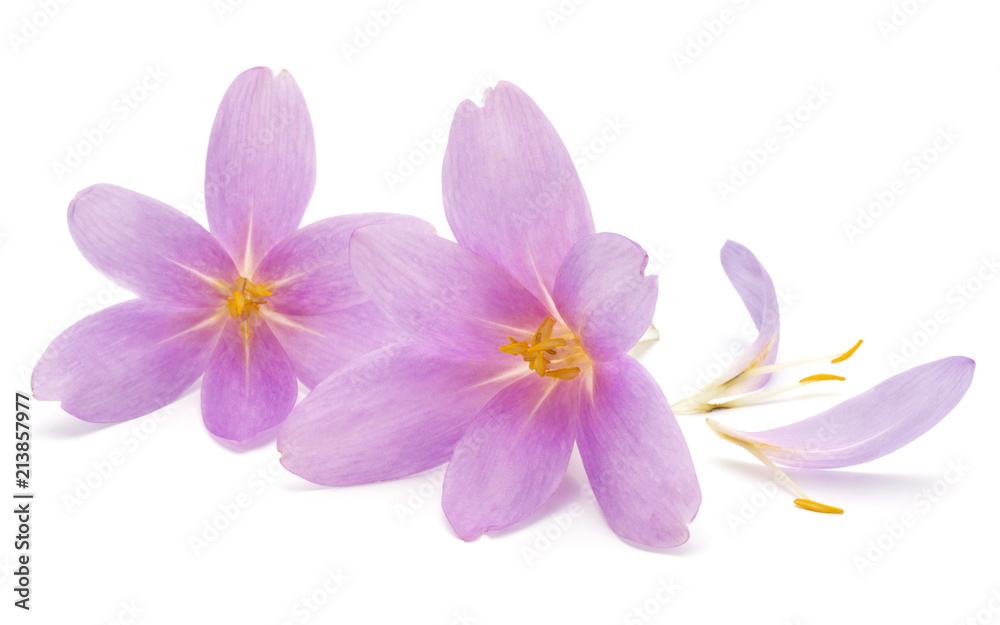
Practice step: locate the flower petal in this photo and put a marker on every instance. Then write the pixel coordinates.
(391, 413)
(148, 247)
(318, 345)
(126, 360)
(756, 289)
(261, 166)
(870, 425)
(603, 296)
(512, 457)
(635, 456)
(441, 293)
(511, 192)
(309, 272)
(249, 384)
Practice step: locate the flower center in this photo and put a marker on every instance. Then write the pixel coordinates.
(245, 300)
(557, 356)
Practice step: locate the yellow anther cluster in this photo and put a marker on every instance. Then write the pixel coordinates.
(246, 297)
(541, 351)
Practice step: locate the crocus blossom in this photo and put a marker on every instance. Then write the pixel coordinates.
(868, 426)
(519, 333)
(750, 370)
(252, 304)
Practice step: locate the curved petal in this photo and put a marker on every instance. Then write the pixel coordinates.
(442, 293)
(148, 247)
(318, 345)
(756, 289)
(261, 166)
(603, 295)
(309, 272)
(511, 192)
(249, 385)
(635, 456)
(394, 412)
(126, 360)
(512, 457)
(870, 425)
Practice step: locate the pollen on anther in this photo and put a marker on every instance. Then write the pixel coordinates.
(816, 506)
(821, 377)
(848, 353)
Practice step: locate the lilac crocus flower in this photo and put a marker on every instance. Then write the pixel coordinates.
(519, 339)
(743, 380)
(868, 426)
(253, 304)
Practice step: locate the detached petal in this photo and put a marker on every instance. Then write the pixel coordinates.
(511, 192)
(318, 345)
(756, 289)
(148, 247)
(603, 295)
(441, 293)
(249, 386)
(126, 360)
(635, 456)
(513, 456)
(394, 412)
(261, 166)
(309, 271)
(872, 424)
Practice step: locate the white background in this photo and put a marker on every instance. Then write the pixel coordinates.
(608, 72)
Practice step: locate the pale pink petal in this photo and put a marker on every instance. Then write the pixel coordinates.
(636, 457)
(309, 272)
(261, 166)
(870, 425)
(249, 385)
(513, 456)
(755, 288)
(603, 294)
(443, 294)
(126, 360)
(391, 413)
(511, 192)
(318, 345)
(150, 248)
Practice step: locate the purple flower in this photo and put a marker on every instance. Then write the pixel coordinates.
(743, 380)
(865, 427)
(252, 306)
(519, 340)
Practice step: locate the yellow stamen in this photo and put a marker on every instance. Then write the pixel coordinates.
(821, 377)
(564, 374)
(848, 353)
(546, 346)
(538, 364)
(816, 506)
(545, 330)
(244, 299)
